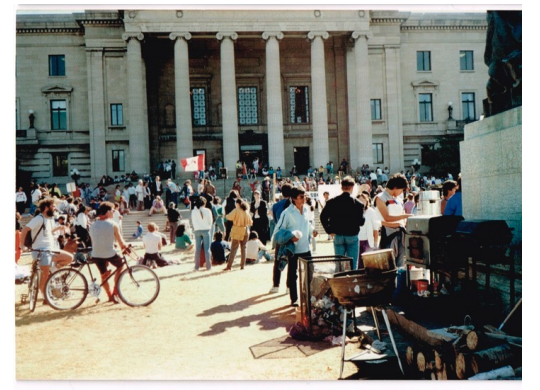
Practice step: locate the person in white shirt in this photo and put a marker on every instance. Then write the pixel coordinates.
(36, 196)
(369, 231)
(201, 218)
(255, 250)
(139, 190)
(42, 228)
(82, 224)
(152, 245)
(20, 201)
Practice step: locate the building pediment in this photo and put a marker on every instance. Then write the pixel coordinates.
(424, 83)
(56, 88)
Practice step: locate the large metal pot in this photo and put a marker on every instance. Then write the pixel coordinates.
(429, 203)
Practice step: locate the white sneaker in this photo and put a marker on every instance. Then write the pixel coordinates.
(274, 290)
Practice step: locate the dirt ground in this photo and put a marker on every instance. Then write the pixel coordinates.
(206, 325)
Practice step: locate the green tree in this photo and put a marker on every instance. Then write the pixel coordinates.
(442, 157)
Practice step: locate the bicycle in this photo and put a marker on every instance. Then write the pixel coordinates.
(67, 288)
(35, 278)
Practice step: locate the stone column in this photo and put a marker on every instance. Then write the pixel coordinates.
(97, 111)
(363, 103)
(184, 130)
(394, 158)
(321, 154)
(228, 100)
(351, 105)
(276, 146)
(139, 145)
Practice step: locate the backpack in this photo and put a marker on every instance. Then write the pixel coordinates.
(28, 241)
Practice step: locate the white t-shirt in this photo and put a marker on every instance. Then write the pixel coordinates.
(36, 194)
(372, 222)
(45, 238)
(151, 242)
(252, 248)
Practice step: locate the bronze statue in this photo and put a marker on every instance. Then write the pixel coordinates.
(503, 57)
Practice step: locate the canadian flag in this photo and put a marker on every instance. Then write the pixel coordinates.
(193, 164)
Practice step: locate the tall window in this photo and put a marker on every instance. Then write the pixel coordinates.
(468, 106)
(426, 107)
(60, 164)
(57, 65)
(299, 103)
(423, 60)
(247, 106)
(118, 161)
(376, 109)
(378, 157)
(466, 60)
(198, 106)
(117, 114)
(58, 115)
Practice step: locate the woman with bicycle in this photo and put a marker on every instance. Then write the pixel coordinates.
(103, 232)
(41, 228)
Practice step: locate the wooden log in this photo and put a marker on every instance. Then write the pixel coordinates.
(421, 361)
(460, 345)
(514, 340)
(412, 329)
(410, 355)
(489, 359)
(433, 376)
(478, 340)
(442, 374)
(463, 366)
(502, 372)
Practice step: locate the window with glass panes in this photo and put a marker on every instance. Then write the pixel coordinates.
(426, 108)
(376, 109)
(466, 60)
(118, 161)
(247, 106)
(423, 60)
(57, 65)
(60, 164)
(58, 115)
(117, 114)
(468, 106)
(378, 157)
(198, 106)
(299, 104)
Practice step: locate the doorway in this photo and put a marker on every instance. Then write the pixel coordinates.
(301, 159)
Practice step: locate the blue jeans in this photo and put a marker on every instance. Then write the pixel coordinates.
(347, 245)
(265, 254)
(202, 237)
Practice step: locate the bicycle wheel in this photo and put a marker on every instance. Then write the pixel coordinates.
(138, 286)
(66, 289)
(33, 289)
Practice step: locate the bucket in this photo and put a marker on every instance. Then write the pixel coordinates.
(421, 286)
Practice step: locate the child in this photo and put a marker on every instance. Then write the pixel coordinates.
(255, 249)
(182, 239)
(217, 248)
(139, 231)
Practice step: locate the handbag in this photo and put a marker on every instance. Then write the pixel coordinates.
(28, 241)
(163, 240)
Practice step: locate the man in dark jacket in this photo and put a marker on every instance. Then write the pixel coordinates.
(342, 217)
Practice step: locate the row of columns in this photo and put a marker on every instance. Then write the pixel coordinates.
(361, 141)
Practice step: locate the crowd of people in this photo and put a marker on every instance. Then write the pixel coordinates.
(249, 220)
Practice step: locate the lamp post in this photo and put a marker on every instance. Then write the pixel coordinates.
(31, 118)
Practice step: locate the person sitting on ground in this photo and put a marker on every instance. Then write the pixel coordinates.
(157, 206)
(182, 241)
(217, 249)
(255, 250)
(139, 231)
(152, 244)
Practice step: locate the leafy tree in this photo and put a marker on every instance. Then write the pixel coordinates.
(443, 157)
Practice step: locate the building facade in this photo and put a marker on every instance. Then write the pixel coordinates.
(110, 92)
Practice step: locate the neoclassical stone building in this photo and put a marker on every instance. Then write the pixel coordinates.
(109, 92)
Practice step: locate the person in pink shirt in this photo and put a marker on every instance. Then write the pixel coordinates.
(409, 204)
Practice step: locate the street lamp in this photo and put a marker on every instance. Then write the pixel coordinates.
(31, 118)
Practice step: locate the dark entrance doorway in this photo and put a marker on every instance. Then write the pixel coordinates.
(253, 145)
(301, 159)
